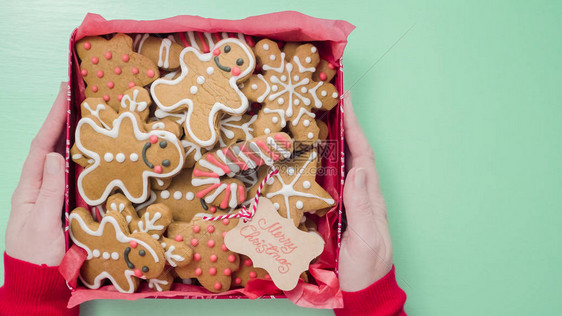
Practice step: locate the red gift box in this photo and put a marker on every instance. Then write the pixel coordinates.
(330, 36)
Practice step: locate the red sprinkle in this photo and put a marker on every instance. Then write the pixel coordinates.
(217, 286)
(94, 88)
(198, 271)
(119, 97)
(226, 221)
(252, 274)
(131, 84)
(110, 84)
(211, 243)
(125, 58)
(196, 229)
(197, 257)
(108, 55)
(87, 45)
(212, 271)
(237, 280)
(99, 74)
(248, 262)
(231, 258)
(332, 66)
(106, 98)
(95, 60)
(150, 73)
(223, 247)
(227, 271)
(194, 242)
(213, 258)
(210, 228)
(117, 70)
(322, 76)
(178, 238)
(135, 70)
(84, 72)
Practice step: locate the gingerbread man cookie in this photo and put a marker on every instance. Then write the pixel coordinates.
(228, 191)
(294, 189)
(212, 262)
(110, 67)
(124, 157)
(113, 252)
(288, 92)
(206, 88)
(164, 52)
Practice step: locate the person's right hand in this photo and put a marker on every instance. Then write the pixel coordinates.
(366, 249)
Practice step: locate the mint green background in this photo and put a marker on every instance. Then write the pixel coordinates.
(464, 113)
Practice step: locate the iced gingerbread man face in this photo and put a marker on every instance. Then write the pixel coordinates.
(124, 157)
(206, 88)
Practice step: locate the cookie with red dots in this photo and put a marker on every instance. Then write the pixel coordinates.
(124, 157)
(213, 263)
(206, 89)
(110, 67)
(164, 52)
(247, 272)
(113, 252)
(288, 92)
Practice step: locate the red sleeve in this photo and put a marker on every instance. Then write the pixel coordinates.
(31, 289)
(383, 297)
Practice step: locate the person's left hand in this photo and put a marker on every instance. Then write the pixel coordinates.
(35, 233)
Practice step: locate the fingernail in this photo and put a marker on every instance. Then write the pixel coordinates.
(52, 163)
(360, 177)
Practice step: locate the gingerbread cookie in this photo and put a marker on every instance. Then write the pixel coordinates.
(325, 70)
(236, 128)
(248, 272)
(212, 262)
(110, 67)
(288, 92)
(206, 88)
(294, 189)
(164, 52)
(113, 252)
(125, 157)
(230, 192)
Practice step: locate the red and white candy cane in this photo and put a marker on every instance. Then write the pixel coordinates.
(227, 191)
(245, 213)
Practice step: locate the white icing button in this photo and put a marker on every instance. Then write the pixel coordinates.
(290, 171)
(306, 122)
(193, 89)
(189, 196)
(177, 195)
(280, 100)
(76, 156)
(310, 135)
(108, 157)
(270, 181)
(96, 253)
(272, 57)
(300, 205)
(274, 119)
(267, 131)
(163, 245)
(120, 157)
(296, 78)
(283, 78)
(114, 256)
(265, 47)
(304, 90)
(200, 80)
(313, 49)
(306, 184)
(274, 88)
(323, 93)
(334, 95)
(165, 194)
(254, 87)
(276, 205)
(134, 157)
(308, 59)
(105, 255)
(210, 70)
(241, 86)
(296, 101)
(129, 218)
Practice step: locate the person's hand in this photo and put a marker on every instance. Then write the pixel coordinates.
(35, 233)
(366, 249)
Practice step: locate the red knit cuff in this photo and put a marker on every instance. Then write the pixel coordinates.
(383, 297)
(30, 288)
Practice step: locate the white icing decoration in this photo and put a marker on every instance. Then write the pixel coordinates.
(177, 195)
(254, 86)
(302, 111)
(306, 123)
(140, 40)
(275, 119)
(283, 78)
(299, 205)
(306, 184)
(120, 157)
(159, 182)
(210, 70)
(276, 205)
(170, 75)
(173, 258)
(274, 88)
(118, 183)
(165, 194)
(261, 98)
(335, 95)
(148, 224)
(133, 105)
(151, 200)
(310, 135)
(302, 69)
(105, 255)
(289, 190)
(192, 41)
(323, 93)
(217, 107)
(290, 171)
(227, 127)
(280, 101)
(77, 156)
(317, 102)
(114, 256)
(193, 89)
(304, 90)
(313, 49)
(96, 253)
(267, 131)
(134, 157)
(96, 113)
(296, 77)
(272, 57)
(128, 218)
(308, 60)
(296, 101)
(189, 196)
(200, 80)
(290, 88)
(156, 284)
(158, 125)
(265, 47)
(108, 157)
(165, 45)
(279, 112)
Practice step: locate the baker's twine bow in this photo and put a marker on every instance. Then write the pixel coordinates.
(245, 213)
